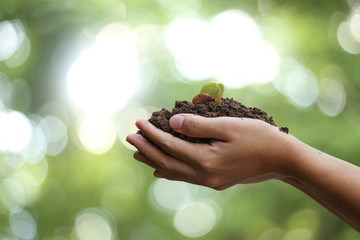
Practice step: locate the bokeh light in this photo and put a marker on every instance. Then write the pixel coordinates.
(6, 90)
(21, 55)
(346, 39)
(55, 109)
(14, 160)
(37, 147)
(188, 40)
(105, 77)
(242, 55)
(15, 45)
(22, 96)
(228, 48)
(332, 97)
(37, 170)
(10, 38)
(171, 195)
(94, 224)
(301, 87)
(12, 194)
(97, 133)
(23, 224)
(55, 133)
(355, 23)
(195, 219)
(126, 124)
(15, 129)
(29, 184)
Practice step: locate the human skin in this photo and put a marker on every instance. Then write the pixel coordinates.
(246, 150)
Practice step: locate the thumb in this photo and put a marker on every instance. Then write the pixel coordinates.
(202, 127)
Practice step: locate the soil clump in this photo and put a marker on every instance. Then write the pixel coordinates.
(227, 108)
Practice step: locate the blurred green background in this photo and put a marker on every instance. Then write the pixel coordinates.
(75, 75)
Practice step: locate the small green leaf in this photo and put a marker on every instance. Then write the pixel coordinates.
(214, 89)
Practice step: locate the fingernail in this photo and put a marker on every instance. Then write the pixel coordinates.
(129, 138)
(176, 122)
(138, 156)
(158, 175)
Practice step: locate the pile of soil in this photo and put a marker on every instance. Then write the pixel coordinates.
(227, 108)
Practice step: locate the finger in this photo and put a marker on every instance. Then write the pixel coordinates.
(167, 176)
(141, 158)
(154, 157)
(202, 127)
(193, 180)
(174, 146)
(223, 187)
(165, 172)
(158, 174)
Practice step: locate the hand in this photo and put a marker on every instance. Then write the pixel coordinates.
(241, 151)
(246, 151)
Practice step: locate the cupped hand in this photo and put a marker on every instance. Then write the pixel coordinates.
(242, 150)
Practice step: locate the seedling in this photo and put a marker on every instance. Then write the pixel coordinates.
(211, 92)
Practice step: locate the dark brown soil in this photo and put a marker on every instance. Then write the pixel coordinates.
(228, 108)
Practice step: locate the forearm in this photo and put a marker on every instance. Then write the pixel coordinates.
(330, 181)
(321, 201)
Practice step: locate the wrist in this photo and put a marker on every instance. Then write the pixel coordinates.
(290, 159)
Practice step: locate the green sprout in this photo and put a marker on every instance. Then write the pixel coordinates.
(214, 89)
(211, 92)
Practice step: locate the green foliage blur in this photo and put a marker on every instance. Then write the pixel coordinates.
(80, 194)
